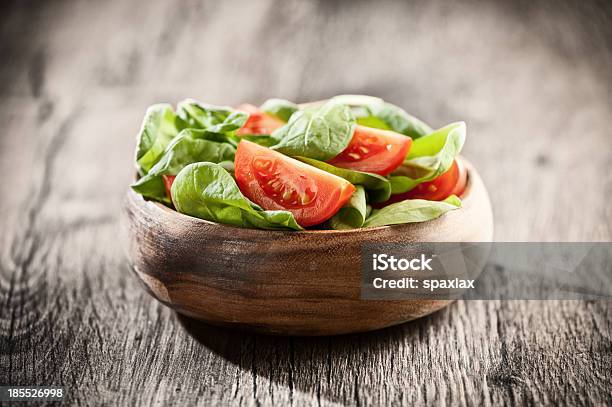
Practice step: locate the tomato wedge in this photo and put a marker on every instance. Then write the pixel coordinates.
(452, 182)
(374, 150)
(258, 122)
(168, 180)
(277, 182)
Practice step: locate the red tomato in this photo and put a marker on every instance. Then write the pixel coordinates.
(461, 179)
(374, 150)
(258, 122)
(168, 180)
(452, 182)
(277, 182)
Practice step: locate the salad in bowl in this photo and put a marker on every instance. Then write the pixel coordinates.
(345, 163)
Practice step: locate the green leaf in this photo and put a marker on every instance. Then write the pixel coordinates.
(401, 184)
(429, 157)
(373, 121)
(157, 130)
(207, 191)
(411, 211)
(398, 120)
(319, 132)
(450, 137)
(228, 166)
(283, 109)
(215, 119)
(188, 147)
(375, 112)
(218, 137)
(262, 140)
(352, 215)
(378, 187)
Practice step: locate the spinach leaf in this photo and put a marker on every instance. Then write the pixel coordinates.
(429, 157)
(378, 187)
(411, 211)
(353, 213)
(283, 109)
(439, 140)
(207, 191)
(401, 184)
(218, 137)
(228, 166)
(319, 132)
(372, 121)
(262, 140)
(188, 147)
(398, 120)
(157, 130)
(215, 119)
(375, 112)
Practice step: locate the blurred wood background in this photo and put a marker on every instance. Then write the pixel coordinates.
(533, 80)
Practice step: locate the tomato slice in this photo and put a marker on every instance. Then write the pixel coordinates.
(277, 182)
(461, 179)
(258, 122)
(452, 182)
(168, 180)
(374, 150)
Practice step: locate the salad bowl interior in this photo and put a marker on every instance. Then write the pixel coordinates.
(282, 282)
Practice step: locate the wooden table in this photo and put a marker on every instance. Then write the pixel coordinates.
(533, 82)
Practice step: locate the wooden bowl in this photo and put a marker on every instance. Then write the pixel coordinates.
(290, 283)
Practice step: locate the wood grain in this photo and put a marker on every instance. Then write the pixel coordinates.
(531, 79)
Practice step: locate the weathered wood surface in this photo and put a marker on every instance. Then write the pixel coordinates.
(533, 81)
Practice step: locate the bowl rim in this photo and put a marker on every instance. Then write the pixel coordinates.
(164, 210)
